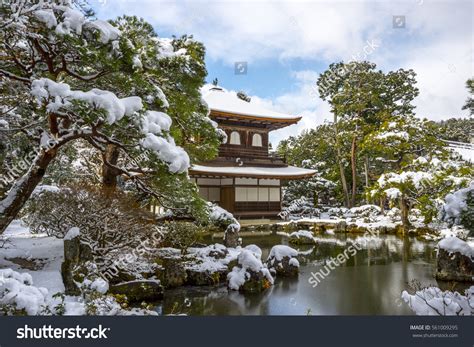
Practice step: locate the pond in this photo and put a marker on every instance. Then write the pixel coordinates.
(369, 283)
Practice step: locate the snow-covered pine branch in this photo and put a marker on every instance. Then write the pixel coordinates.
(115, 84)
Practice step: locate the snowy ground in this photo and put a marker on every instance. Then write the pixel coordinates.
(39, 255)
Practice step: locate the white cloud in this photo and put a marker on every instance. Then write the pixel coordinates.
(437, 42)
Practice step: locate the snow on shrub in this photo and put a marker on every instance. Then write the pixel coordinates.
(364, 211)
(255, 250)
(299, 208)
(455, 245)
(222, 217)
(459, 208)
(225, 220)
(434, 302)
(247, 262)
(17, 293)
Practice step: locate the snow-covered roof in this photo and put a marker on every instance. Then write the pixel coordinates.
(222, 100)
(253, 171)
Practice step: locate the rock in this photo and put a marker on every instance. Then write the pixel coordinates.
(218, 251)
(139, 290)
(231, 236)
(205, 278)
(302, 237)
(282, 261)
(356, 229)
(76, 254)
(340, 227)
(249, 275)
(174, 274)
(255, 283)
(454, 267)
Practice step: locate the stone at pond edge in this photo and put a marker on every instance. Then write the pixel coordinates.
(283, 268)
(301, 240)
(231, 237)
(454, 267)
(256, 283)
(139, 290)
(205, 278)
(174, 273)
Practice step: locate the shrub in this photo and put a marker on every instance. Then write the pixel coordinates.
(181, 235)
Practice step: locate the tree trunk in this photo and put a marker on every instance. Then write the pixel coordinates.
(366, 173)
(109, 174)
(405, 209)
(22, 189)
(354, 170)
(341, 167)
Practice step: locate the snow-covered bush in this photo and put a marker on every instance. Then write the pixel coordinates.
(459, 208)
(364, 211)
(338, 212)
(421, 185)
(249, 274)
(90, 209)
(111, 224)
(315, 191)
(435, 302)
(225, 220)
(300, 208)
(19, 296)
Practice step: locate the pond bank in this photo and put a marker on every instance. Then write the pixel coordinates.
(317, 225)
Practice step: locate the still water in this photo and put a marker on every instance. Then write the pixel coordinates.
(369, 283)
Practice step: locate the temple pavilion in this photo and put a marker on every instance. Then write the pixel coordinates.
(245, 178)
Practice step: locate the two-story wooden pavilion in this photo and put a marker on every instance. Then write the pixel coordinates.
(245, 178)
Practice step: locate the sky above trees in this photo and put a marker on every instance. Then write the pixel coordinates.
(286, 45)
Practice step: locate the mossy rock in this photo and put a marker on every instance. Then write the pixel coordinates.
(454, 267)
(205, 278)
(139, 290)
(255, 284)
(174, 274)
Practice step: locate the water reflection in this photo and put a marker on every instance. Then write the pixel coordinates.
(369, 283)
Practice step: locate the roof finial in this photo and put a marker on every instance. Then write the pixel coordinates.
(242, 96)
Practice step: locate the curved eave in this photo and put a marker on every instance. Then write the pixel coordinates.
(276, 122)
(288, 172)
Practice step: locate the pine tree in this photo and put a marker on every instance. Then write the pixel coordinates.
(470, 101)
(130, 95)
(361, 96)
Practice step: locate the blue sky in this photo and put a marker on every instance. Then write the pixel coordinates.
(286, 44)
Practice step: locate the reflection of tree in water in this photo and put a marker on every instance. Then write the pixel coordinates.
(370, 282)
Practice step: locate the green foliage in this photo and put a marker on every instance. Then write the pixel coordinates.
(456, 129)
(181, 235)
(422, 184)
(166, 74)
(313, 149)
(467, 216)
(107, 220)
(469, 105)
(361, 99)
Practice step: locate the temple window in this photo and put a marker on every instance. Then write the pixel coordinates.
(234, 138)
(257, 140)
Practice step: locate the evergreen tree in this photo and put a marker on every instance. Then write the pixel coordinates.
(130, 95)
(470, 101)
(362, 97)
